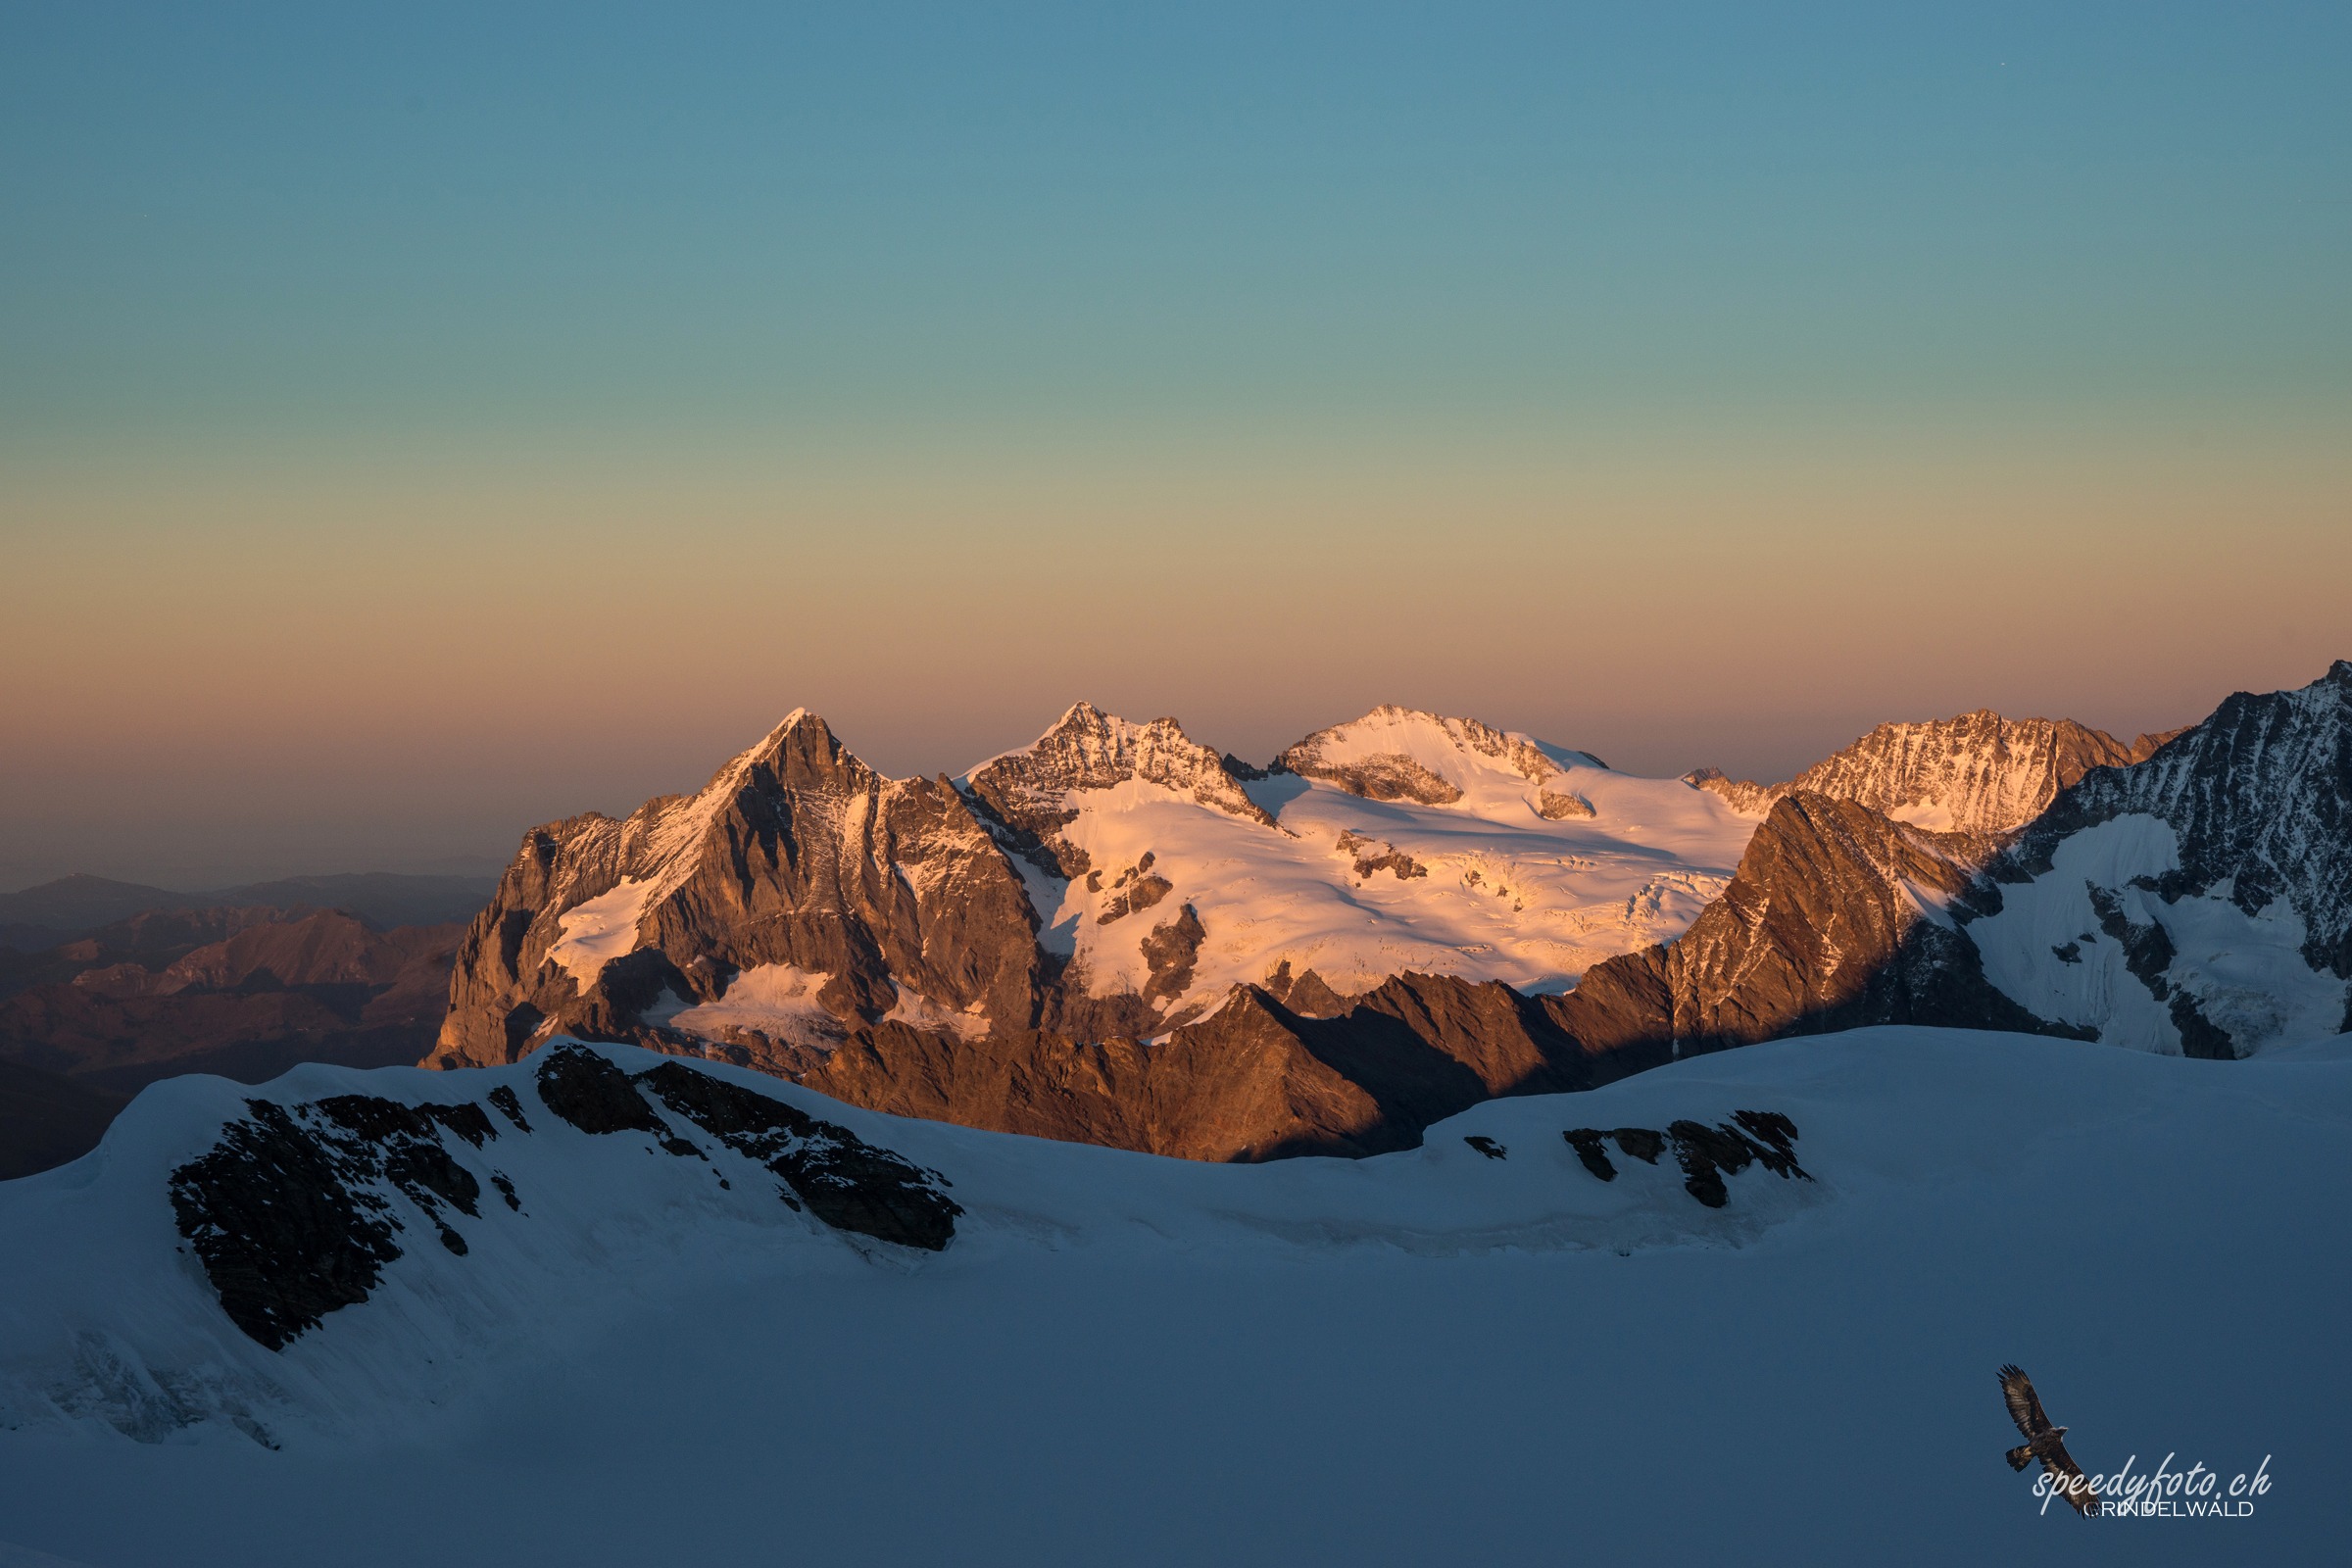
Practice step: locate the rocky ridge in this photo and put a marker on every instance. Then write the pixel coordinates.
(1102, 882)
(298, 1209)
(1975, 773)
(1839, 916)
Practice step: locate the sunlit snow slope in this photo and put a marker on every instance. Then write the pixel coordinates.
(1403, 841)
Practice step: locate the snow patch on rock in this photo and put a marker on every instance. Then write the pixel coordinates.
(602, 928)
(773, 1000)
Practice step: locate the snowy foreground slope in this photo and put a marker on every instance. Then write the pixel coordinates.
(1428, 1356)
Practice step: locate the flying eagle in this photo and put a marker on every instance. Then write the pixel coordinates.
(2043, 1442)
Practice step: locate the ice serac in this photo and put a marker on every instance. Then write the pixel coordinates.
(796, 857)
(1977, 773)
(1838, 917)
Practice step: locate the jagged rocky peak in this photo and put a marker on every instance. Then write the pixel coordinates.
(1027, 791)
(1975, 773)
(798, 893)
(1839, 916)
(1404, 753)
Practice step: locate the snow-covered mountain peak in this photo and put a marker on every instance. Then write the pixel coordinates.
(1404, 753)
(835, 894)
(1087, 751)
(659, 845)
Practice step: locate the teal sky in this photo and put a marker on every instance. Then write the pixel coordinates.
(275, 225)
(938, 365)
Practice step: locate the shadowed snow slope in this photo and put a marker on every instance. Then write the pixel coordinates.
(1437, 1355)
(2200, 901)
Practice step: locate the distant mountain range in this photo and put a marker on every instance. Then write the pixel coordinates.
(57, 912)
(1120, 935)
(110, 985)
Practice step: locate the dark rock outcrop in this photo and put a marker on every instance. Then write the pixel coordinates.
(293, 1211)
(1370, 857)
(281, 1216)
(1585, 1140)
(1562, 805)
(1706, 1154)
(587, 1091)
(845, 1182)
(1170, 952)
(1641, 1142)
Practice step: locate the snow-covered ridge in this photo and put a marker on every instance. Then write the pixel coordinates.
(637, 1201)
(302, 1261)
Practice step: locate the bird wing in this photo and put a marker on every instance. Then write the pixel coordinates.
(2025, 1406)
(2061, 1468)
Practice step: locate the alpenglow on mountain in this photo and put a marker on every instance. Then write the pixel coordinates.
(1120, 935)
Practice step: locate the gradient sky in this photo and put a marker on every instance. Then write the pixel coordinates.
(419, 423)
